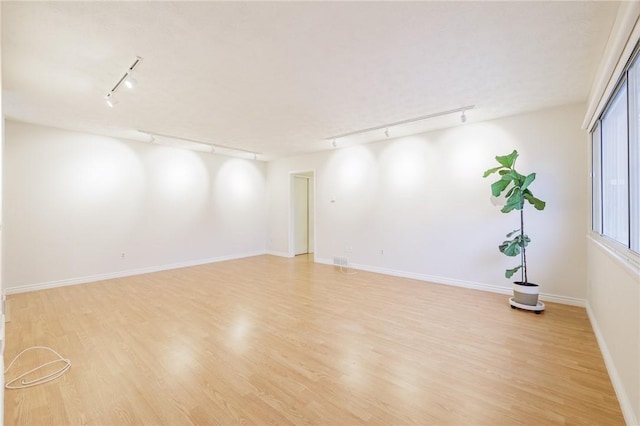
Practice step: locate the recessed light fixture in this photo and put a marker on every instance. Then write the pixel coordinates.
(128, 81)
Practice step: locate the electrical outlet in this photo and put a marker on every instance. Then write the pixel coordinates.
(381, 251)
(122, 255)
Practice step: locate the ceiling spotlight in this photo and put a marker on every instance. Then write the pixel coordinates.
(127, 80)
(334, 143)
(255, 156)
(463, 117)
(386, 132)
(110, 99)
(130, 82)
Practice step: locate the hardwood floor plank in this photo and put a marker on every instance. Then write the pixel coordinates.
(287, 341)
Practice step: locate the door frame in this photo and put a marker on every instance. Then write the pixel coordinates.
(311, 174)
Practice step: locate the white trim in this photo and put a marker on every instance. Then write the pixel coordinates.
(623, 398)
(565, 300)
(622, 40)
(2, 336)
(292, 244)
(279, 253)
(121, 274)
(623, 258)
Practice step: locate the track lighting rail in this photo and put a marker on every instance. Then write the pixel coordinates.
(410, 120)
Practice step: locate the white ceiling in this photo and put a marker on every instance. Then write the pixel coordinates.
(279, 78)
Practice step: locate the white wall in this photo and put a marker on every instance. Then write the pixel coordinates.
(422, 200)
(75, 202)
(2, 330)
(614, 309)
(613, 284)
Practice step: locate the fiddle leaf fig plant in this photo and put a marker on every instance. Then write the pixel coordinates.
(515, 188)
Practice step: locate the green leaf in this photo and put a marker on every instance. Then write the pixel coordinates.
(517, 178)
(515, 201)
(491, 171)
(508, 208)
(510, 176)
(510, 248)
(509, 272)
(508, 194)
(498, 187)
(508, 160)
(520, 240)
(512, 233)
(537, 203)
(503, 172)
(527, 181)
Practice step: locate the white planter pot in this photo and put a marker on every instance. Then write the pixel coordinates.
(525, 294)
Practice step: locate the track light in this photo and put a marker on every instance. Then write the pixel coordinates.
(110, 99)
(176, 142)
(386, 127)
(196, 145)
(334, 143)
(128, 81)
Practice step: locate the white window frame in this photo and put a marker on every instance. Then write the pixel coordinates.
(628, 253)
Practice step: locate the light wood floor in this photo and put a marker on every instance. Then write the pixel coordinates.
(285, 341)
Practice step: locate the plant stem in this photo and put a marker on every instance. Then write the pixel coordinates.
(524, 243)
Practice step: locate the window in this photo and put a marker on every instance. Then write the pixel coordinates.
(634, 152)
(615, 173)
(596, 166)
(615, 167)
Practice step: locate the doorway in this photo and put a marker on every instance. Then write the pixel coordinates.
(302, 224)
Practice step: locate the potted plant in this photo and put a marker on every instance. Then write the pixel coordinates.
(516, 188)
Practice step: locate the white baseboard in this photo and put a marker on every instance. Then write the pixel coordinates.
(128, 273)
(279, 253)
(457, 283)
(623, 398)
(565, 300)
